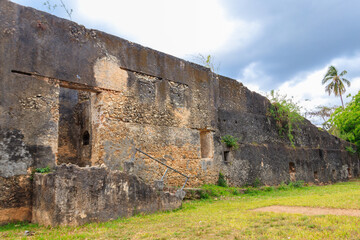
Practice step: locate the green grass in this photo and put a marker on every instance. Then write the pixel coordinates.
(225, 218)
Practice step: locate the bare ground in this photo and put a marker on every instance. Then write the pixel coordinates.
(309, 210)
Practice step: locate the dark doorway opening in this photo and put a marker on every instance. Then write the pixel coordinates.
(226, 156)
(349, 172)
(292, 171)
(316, 177)
(74, 133)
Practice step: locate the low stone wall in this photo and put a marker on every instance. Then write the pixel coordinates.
(15, 199)
(73, 196)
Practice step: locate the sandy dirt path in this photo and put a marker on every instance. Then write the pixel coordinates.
(309, 210)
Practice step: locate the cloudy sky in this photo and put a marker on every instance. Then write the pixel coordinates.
(285, 45)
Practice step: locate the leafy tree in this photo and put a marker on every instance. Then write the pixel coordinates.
(335, 82)
(347, 121)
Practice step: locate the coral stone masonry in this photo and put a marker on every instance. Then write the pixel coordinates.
(81, 101)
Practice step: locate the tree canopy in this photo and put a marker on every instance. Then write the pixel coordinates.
(347, 120)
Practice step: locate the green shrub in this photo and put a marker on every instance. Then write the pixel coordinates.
(297, 184)
(217, 191)
(230, 141)
(268, 189)
(222, 181)
(283, 186)
(256, 183)
(204, 195)
(236, 192)
(252, 191)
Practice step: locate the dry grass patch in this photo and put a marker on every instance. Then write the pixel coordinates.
(309, 210)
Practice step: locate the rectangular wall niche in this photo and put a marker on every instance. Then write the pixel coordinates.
(206, 144)
(226, 156)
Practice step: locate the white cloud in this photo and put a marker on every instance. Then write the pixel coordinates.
(252, 76)
(307, 89)
(177, 27)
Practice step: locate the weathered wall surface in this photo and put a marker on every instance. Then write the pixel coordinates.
(28, 120)
(266, 155)
(15, 199)
(73, 196)
(73, 95)
(139, 97)
(146, 98)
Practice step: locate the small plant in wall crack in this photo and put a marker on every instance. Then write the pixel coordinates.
(39, 170)
(43, 170)
(207, 61)
(230, 141)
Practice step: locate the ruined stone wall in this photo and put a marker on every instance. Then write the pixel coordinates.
(138, 98)
(162, 117)
(74, 95)
(266, 155)
(73, 196)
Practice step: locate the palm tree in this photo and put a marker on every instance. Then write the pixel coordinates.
(336, 84)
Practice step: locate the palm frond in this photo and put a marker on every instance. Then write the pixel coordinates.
(343, 73)
(346, 81)
(329, 88)
(326, 79)
(333, 71)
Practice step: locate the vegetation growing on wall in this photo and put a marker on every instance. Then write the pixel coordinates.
(230, 141)
(222, 181)
(207, 61)
(43, 170)
(52, 6)
(286, 114)
(347, 121)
